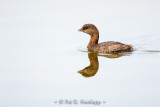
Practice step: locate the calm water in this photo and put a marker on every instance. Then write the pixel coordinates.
(44, 60)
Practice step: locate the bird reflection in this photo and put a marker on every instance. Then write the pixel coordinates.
(92, 69)
(115, 55)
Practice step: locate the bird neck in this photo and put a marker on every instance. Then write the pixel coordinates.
(93, 39)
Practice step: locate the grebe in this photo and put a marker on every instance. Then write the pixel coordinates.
(104, 47)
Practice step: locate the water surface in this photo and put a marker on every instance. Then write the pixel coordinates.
(44, 58)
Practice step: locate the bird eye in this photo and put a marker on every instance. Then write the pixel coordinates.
(85, 28)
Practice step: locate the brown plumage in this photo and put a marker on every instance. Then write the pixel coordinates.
(105, 47)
